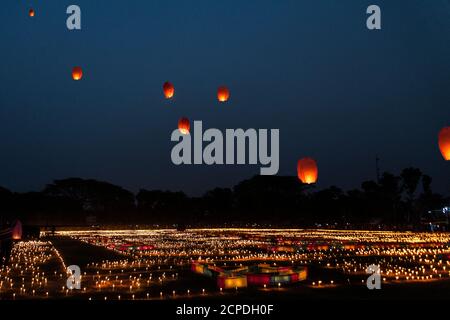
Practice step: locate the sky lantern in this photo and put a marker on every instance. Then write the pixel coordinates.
(183, 125)
(77, 73)
(444, 142)
(31, 12)
(17, 230)
(223, 94)
(307, 170)
(169, 90)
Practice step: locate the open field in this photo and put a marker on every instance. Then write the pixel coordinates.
(222, 264)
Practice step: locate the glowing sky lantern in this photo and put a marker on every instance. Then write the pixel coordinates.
(31, 13)
(183, 125)
(444, 142)
(77, 73)
(307, 170)
(17, 230)
(223, 94)
(169, 90)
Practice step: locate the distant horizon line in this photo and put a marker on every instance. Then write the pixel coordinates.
(445, 193)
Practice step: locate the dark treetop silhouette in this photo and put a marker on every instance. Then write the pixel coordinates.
(394, 201)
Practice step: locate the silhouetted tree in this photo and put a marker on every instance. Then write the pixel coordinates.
(426, 184)
(167, 206)
(267, 200)
(218, 203)
(109, 202)
(6, 205)
(327, 204)
(410, 179)
(428, 200)
(390, 195)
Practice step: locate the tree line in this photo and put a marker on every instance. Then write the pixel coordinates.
(393, 200)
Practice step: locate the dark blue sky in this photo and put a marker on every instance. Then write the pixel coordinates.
(337, 91)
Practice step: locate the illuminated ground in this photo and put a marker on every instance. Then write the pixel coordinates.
(155, 264)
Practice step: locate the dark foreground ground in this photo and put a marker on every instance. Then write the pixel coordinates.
(81, 253)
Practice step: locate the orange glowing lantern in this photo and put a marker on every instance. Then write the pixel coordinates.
(17, 231)
(77, 73)
(31, 13)
(307, 170)
(169, 90)
(223, 94)
(183, 125)
(444, 142)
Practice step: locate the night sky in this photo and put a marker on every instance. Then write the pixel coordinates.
(337, 91)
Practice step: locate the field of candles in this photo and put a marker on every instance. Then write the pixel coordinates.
(227, 264)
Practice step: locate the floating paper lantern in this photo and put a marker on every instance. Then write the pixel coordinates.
(17, 231)
(183, 125)
(444, 142)
(307, 170)
(223, 94)
(168, 89)
(77, 73)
